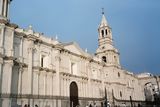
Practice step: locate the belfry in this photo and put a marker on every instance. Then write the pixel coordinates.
(106, 50)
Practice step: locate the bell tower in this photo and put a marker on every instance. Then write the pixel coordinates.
(106, 50)
(4, 8)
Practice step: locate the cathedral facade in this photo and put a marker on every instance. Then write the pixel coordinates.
(42, 72)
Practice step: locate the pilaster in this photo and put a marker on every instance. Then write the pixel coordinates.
(1, 73)
(5, 8)
(89, 79)
(11, 44)
(1, 7)
(30, 64)
(20, 81)
(21, 50)
(7, 77)
(2, 38)
(57, 73)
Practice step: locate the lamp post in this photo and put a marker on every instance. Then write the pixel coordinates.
(106, 102)
(131, 101)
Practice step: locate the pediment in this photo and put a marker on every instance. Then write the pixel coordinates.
(74, 48)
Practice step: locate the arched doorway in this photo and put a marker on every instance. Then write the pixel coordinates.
(73, 94)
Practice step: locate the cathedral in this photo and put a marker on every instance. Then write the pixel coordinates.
(37, 71)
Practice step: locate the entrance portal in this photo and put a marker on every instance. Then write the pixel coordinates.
(73, 94)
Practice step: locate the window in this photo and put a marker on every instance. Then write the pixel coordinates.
(115, 59)
(102, 33)
(120, 94)
(44, 61)
(119, 74)
(104, 59)
(103, 47)
(106, 75)
(106, 31)
(73, 68)
(94, 72)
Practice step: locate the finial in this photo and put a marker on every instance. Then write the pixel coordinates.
(86, 50)
(56, 37)
(102, 10)
(30, 27)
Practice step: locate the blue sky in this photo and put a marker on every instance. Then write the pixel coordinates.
(135, 26)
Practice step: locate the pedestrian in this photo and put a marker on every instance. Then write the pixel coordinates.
(87, 105)
(36, 105)
(90, 105)
(25, 105)
(95, 105)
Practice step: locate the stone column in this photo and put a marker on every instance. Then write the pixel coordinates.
(68, 85)
(80, 88)
(57, 83)
(11, 42)
(85, 89)
(61, 87)
(38, 54)
(89, 80)
(64, 89)
(20, 81)
(30, 73)
(1, 2)
(30, 63)
(21, 50)
(7, 77)
(1, 68)
(45, 83)
(53, 84)
(6, 82)
(2, 38)
(5, 8)
(50, 59)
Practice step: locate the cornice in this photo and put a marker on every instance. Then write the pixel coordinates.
(44, 69)
(75, 76)
(31, 96)
(7, 23)
(109, 50)
(117, 83)
(96, 80)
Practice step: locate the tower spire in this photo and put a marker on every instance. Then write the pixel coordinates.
(106, 46)
(103, 21)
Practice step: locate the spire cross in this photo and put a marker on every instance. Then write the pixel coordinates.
(102, 10)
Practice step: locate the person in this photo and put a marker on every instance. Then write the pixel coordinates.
(87, 105)
(36, 105)
(25, 105)
(95, 105)
(90, 105)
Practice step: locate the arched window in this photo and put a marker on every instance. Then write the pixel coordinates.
(104, 59)
(106, 31)
(102, 33)
(120, 94)
(119, 74)
(44, 61)
(115, 59)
